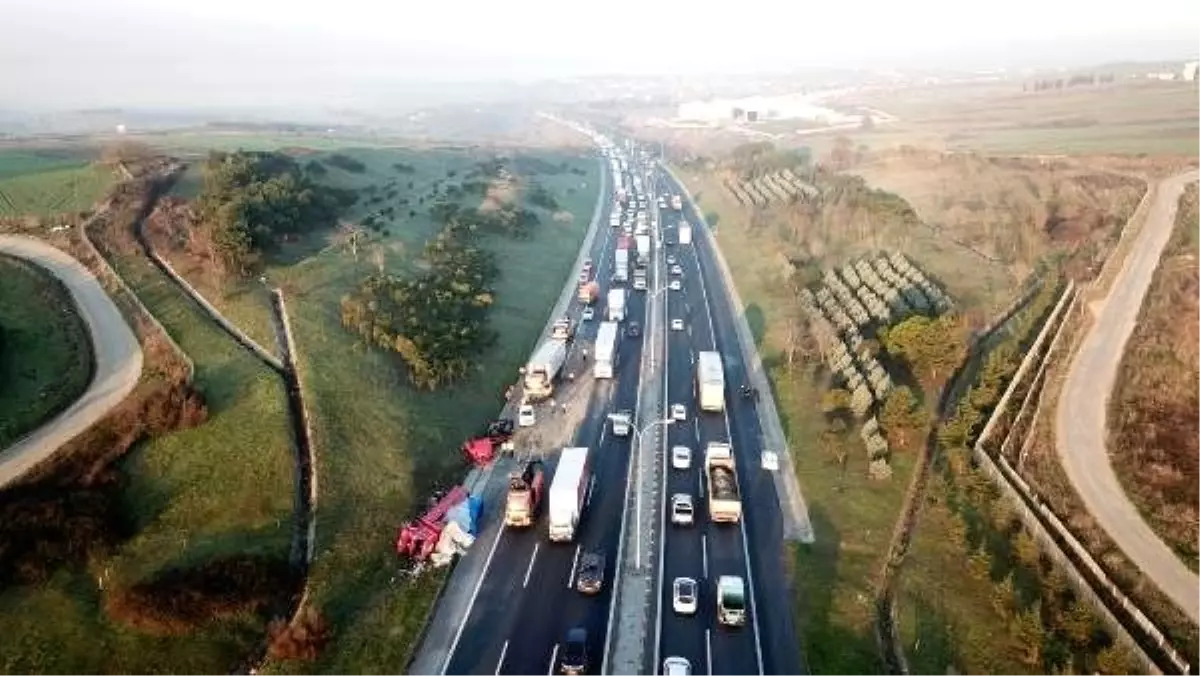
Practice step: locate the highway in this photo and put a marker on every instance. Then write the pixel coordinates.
(705, 551)
(526, 600)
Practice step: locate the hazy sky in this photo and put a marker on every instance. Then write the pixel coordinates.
(58, 53)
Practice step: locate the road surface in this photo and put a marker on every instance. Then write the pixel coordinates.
(118, 358)
(1081, 423)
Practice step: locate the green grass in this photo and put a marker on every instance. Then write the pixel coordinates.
(46, 356)
(223, 488)
(50, 191)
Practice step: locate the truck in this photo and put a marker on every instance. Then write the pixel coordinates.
(710, 381)
(616, 305)
(589, 292)
(685, 232)
(525, 488)
(543, 368)
(606, 349)
(621, 259)
(562, 330)
(639, 278)
(643, 248)
(622, 423)
(731, 600)
(724, 503)
(676, 203)
(568, 493)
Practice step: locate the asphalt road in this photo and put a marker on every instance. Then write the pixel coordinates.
(1081, 422)
(118, 358)
(526, 600)
(754, 549)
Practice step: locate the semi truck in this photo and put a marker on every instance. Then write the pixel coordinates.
(543, 368)
(724, 503)
(568, 493)
(643, 248)
(710, 381)
(525, 488)
(616, 305)
(676, 203)
(731, 600)
(606, 349)
(685, 232)
(621, 259)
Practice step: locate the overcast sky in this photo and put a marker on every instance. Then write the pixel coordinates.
(65, 53)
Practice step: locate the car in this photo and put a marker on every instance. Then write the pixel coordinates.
(670, 242)
(633, 330)
(587, 264)
(683, 595)
(588, 314)
(526, 416)
(591, 573)
(676, 324)
(573, 658)
(678, 412)
(639, 283)
(584, 277)
(670, 260)
(770, 461)
(676, 285)
(683, 511)
(681, 456)
(676, 270)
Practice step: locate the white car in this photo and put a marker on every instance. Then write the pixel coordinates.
(588, 314)
(676, 270)
(676, 324)
(525, 416)
(676, 285)
(670, 260)
(677, 666)
(683, 596)
(683, 512)
(678, 412)
(770, 461)
(681, 457)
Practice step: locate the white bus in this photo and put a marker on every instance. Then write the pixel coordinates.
(606, 349)
(710, 381)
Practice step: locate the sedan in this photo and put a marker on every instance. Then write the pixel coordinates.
(683, 596)
(675, 285)
(770, 461)
(574, 658)
(681, 457)
(591, 573)
(633, 330)
(676, 270)
(588, 314)
(677, 666)
(676, 324)
(525, 416)
(678, 412)
(683, 512)
(670, 260)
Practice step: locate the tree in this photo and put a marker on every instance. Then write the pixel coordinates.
(1116, 659)
(835, 400)
(931, 347)
(901, 416)
(1029, 634)
(1003, 596)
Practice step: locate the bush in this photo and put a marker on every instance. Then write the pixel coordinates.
(302, 639)
(346, 163)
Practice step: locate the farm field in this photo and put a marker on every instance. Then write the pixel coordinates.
(223, 488)
(43, 183)
(392, 443)
(45, 350)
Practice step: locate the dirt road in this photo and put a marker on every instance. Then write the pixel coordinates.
(1081, 423)
(118, 357)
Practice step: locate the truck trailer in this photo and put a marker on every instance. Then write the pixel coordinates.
(710, 381)
(685, 232)
(616, 305)
(643, 248)
(606, 349)
(724, 502)
(543, 368)
(621, 259)
(568, 493)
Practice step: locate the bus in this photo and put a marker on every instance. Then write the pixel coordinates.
(710, 381)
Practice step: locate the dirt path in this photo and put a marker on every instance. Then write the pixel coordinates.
(1081, 423)
(118, 358)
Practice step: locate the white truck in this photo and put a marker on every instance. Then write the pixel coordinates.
(724, 502)
(606, 349)
(710, 381)
(621, 260)
(616, 305)
(568, 493)
(643, 248)
(685, 232)
(731, 600)
(543, 369)
(622, 423)
(676, 203)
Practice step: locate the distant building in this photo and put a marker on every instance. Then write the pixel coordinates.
(761, 109)
(1189, 70)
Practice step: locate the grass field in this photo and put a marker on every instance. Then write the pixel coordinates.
(45, 351)
(43, 183)
(222, 488)
(380, 444)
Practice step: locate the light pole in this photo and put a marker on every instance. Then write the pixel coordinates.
(637, 440)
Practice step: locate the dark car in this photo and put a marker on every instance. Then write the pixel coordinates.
(573, 658)
(634, 330)
(591, 573)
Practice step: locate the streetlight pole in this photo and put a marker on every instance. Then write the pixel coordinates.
(637, 439)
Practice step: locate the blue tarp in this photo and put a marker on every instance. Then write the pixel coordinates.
(466, 515)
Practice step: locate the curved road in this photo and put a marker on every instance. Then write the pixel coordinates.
(1081, 423)
(118, 357)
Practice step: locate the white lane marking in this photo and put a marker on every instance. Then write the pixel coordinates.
(704, 554)
(532, 560)
(471, 604)
(574, 564)
(553, 660)
(708, 649)
(503, 652)
(700, 483)
(587, 500)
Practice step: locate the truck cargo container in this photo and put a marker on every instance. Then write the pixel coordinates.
(643, 248)
(685, 232)
(543, 369)
(621, 259)
(724, 502)
(616, 305)
(606, 349)
(710, 381)
(568, 493)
